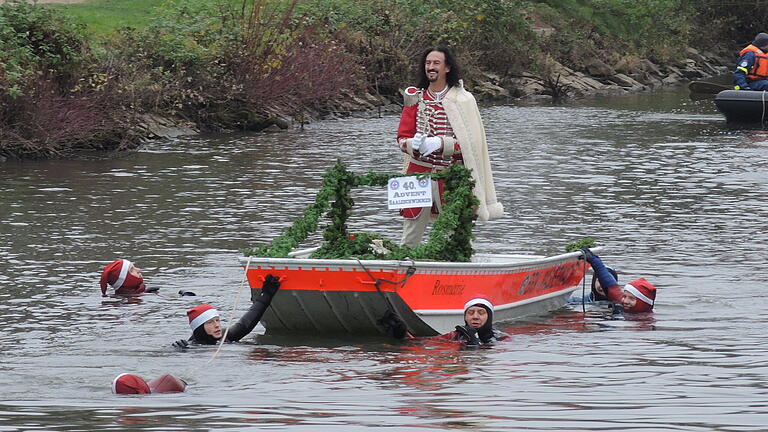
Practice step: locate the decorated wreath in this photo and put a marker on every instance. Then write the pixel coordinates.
(449, 240)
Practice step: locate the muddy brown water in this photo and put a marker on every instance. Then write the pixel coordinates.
(672, 192)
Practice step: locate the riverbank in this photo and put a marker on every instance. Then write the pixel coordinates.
(67, 90)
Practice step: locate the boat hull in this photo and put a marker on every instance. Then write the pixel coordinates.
(343, 296)
(743, 106)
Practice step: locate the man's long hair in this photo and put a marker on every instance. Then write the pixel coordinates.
(452, 77)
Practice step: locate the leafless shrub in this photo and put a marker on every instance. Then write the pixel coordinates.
(283, 68)
(45, 123)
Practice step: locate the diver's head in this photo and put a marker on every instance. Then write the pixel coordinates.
(205, 322)
(638, 296)
(123, 276)
(478, 314)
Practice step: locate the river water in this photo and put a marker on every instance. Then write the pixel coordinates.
(672, 193)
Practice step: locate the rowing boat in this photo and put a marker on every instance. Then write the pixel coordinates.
(350, 295)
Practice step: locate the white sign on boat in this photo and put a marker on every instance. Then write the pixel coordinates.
(409, 192)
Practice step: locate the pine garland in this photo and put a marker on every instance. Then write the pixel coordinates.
(578, 244)
(450, 238)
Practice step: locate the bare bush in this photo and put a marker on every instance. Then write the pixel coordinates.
(47, 124)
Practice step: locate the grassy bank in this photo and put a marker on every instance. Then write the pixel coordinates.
(105, 17)
(83, 75)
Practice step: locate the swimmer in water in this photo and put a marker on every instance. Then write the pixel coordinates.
(125, 278)
(638, 296)
(133, 384)
(205, 322)
(477, 329)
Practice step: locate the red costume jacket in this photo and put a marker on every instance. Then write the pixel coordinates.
(434, 122)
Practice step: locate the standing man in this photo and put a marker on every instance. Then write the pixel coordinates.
(440, 126)
(752, 66)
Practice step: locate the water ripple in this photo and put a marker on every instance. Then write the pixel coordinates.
(673, 193)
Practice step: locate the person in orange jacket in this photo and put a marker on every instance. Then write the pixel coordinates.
(752, 65)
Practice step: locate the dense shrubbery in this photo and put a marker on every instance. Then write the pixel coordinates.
(733, 20)
(221, 66)
(214, 63)
(654, 29)
(224, 63)
(387, 37)
(43, 109)
(35, 42)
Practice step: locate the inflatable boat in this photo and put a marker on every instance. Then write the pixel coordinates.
(350, 296)
(743, 106)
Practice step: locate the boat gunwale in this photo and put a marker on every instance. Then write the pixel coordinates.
(397, 264)
(515, 261)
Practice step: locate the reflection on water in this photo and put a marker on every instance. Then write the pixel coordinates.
(671, 191)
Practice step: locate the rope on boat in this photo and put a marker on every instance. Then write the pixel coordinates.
(192, 371)
(377, 282)
(232, 312)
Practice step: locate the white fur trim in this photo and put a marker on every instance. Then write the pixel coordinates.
(495, 211)
(481, 301)
(114, 382)
(202, 318)
(464, 117)
(123, 273)
(636, 292)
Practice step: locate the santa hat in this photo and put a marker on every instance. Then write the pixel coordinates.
(198, 315)
(115, 274)
(643, 290)
(167, 383)
(130, 384)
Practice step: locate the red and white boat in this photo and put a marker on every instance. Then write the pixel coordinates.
(349, 296)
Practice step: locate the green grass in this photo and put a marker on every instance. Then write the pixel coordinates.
(102, 17)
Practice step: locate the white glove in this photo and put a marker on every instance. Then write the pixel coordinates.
(416, 141)
(430, 144)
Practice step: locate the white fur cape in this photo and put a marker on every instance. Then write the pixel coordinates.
(464, 116)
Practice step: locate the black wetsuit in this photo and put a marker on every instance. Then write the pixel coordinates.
(242, 327)
(484, 335)
(239, 330)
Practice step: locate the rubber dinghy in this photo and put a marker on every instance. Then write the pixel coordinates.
(350, 282)
(743, 106)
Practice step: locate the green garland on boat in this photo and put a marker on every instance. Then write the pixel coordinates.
(449, 240)
(578, 244)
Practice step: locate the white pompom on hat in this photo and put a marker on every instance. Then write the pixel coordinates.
(198, 315)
